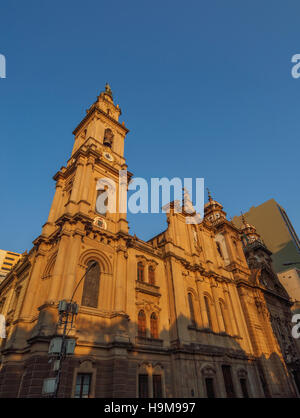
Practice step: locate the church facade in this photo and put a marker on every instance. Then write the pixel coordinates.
(195, 312)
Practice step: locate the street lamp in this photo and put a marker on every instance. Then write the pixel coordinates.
(67, 312)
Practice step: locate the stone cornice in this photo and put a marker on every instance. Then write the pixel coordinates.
(95, 109)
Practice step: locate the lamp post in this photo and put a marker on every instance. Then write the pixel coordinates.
(67, 312)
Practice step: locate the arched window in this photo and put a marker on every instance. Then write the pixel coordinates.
(142, 324)
(191, 307)
(108, 138)
(206, 301)
(140, 271)
(222, 309)
(153, 325)
(151, 275)
(219, 249)
(91, 286)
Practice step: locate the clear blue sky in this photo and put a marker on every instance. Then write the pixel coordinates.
(205, 88)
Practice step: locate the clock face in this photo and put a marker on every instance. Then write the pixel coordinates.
(108, 156)
(100, 223)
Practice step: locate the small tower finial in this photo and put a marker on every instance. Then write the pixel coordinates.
(209, 195)
(243, 219)
(108, 90)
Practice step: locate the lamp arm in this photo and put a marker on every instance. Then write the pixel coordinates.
(87, 270)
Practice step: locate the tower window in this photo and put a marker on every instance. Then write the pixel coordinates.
(108, 138)
(154, 326)
(140, 271)
(91, 286)
(142, 324)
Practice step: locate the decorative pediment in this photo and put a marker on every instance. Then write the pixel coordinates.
(141, 257)
(148, 306)
(208, 371)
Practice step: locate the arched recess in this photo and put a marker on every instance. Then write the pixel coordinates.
(142, 324)
(220, 239)
(209, 380)
(244, 382)
(140, 271)
(194, 307)
(105, 275)
(158, 381)
(225, 316)
(151, 274)
(154, 330)
(211, 311)
(49, 266)
(91, 285)
(100, 257)
(45, 283)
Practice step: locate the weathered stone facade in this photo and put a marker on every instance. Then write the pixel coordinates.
(183, 306)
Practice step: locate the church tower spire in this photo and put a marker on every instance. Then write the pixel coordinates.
(96, 161)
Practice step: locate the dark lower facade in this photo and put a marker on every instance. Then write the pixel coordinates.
(127, 371)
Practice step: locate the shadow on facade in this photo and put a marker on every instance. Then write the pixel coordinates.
(109, 349)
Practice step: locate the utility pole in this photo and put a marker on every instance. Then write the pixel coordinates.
(67, 311)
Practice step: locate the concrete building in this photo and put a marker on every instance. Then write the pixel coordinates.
(7, 260)
(193, 312)
(275, 228)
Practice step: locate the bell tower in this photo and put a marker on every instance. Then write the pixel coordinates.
(96, 161)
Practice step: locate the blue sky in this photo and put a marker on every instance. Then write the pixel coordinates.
(205, 89)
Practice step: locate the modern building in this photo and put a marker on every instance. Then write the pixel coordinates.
(290, 279)
(275, 228)
(7, 260)
(194, 312)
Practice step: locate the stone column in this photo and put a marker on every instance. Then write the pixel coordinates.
(181, 320)
(231, 315)
(219, 315)
(203, 323)
(204, 311)
(229, 247)
(33, 286)
(87, 180)
(58, 267)
(240, 319)
(76, 185)
(71, 262)
(56, 201)
(120, 280)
